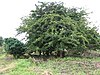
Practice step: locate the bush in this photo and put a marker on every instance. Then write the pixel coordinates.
(1, 41)
(14, 46)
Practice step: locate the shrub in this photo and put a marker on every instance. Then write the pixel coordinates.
(14, 46)
(1, 41)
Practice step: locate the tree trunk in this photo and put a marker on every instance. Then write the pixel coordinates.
(43, 53)
(40, 53)
(47, 53)
(58, 53)
(63, 53)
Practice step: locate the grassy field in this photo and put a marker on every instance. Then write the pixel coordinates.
(58, 66)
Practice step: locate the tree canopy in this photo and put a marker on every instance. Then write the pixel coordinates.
(53, 27)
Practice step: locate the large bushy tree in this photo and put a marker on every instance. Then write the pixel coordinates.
(53, 27)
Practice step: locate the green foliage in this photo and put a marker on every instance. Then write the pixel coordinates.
(1, 41)
(94, 38)
(21, 68)
(53, 27)
(14, 46)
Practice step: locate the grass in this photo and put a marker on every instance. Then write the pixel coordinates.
(22, 68)
(58, 66)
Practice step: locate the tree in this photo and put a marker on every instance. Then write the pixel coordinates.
(53, 27)
(1, 41)
(14, 46)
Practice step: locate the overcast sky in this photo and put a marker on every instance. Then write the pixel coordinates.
(12, 10)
